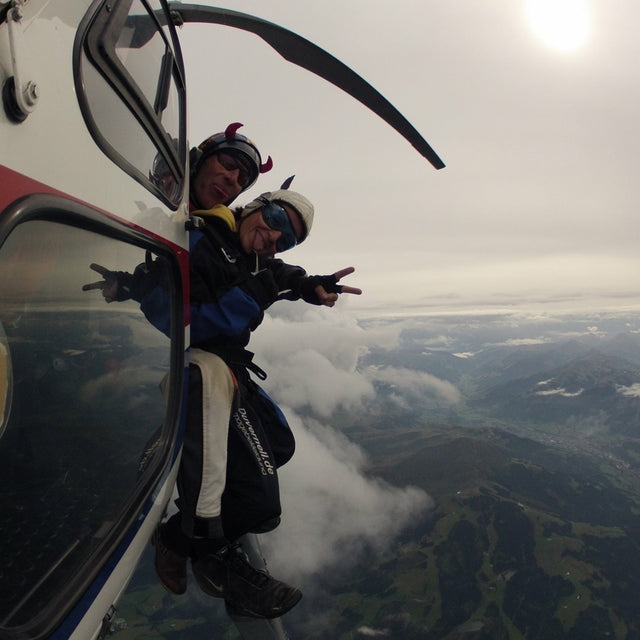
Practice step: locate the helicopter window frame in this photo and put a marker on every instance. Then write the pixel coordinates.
(70, 213)
(96, 43)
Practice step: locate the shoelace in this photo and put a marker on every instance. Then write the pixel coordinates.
(241, 566)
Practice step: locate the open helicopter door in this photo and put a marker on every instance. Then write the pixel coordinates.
(309, 56)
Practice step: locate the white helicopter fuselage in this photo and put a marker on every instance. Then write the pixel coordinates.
(66, 201)
(53, 145)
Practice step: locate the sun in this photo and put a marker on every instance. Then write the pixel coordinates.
(561, 24)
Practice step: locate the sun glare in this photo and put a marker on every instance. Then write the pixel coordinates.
(560, 24)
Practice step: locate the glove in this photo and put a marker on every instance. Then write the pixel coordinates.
(115, 286)
(118, 286)
(328, 283)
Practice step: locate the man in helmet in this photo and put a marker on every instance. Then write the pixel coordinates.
(236, 437)
(222, 167)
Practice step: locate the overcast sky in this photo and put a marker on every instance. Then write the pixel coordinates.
(539, 199)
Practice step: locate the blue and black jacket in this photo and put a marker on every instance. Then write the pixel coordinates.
(230, 290)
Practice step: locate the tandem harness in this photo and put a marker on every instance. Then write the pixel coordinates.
(238, 357)
(252, 400)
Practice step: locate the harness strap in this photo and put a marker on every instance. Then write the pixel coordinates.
(239, 356)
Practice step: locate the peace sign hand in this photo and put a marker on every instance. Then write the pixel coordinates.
(110, 286)
(326, 289)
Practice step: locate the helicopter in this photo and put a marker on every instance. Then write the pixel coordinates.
(91, 396)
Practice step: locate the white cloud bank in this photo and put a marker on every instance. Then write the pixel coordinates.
(311, 356)
(415, 383)
(333, 510)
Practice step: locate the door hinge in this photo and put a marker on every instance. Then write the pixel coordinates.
(19, 95)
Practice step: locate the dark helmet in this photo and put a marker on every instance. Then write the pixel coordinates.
(235, 144)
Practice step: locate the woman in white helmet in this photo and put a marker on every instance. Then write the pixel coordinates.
(236, 437)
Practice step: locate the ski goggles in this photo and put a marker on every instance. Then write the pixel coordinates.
(231, 163)
(277, 218)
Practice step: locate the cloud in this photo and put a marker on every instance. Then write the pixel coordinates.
(415, 383)
(333, 509)
(560, 391)
(522, 342)
(632, 391)
(311, 356)
(310, 378)
(368, 632)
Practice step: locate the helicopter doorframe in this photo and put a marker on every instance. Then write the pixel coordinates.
(144, 505)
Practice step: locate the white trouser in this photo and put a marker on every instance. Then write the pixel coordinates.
(217, 398)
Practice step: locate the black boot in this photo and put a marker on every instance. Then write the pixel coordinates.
(227, 574)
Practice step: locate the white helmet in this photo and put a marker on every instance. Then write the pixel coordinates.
(300, 203)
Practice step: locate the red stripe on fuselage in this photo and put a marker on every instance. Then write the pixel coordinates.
(14, 185)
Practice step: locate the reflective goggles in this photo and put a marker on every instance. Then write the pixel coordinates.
(231, 163)
(277, 218)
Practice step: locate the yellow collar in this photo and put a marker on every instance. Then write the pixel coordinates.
(218, 211)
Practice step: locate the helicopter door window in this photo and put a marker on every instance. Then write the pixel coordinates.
(131, 92)
(136, 60)
(88, 422)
